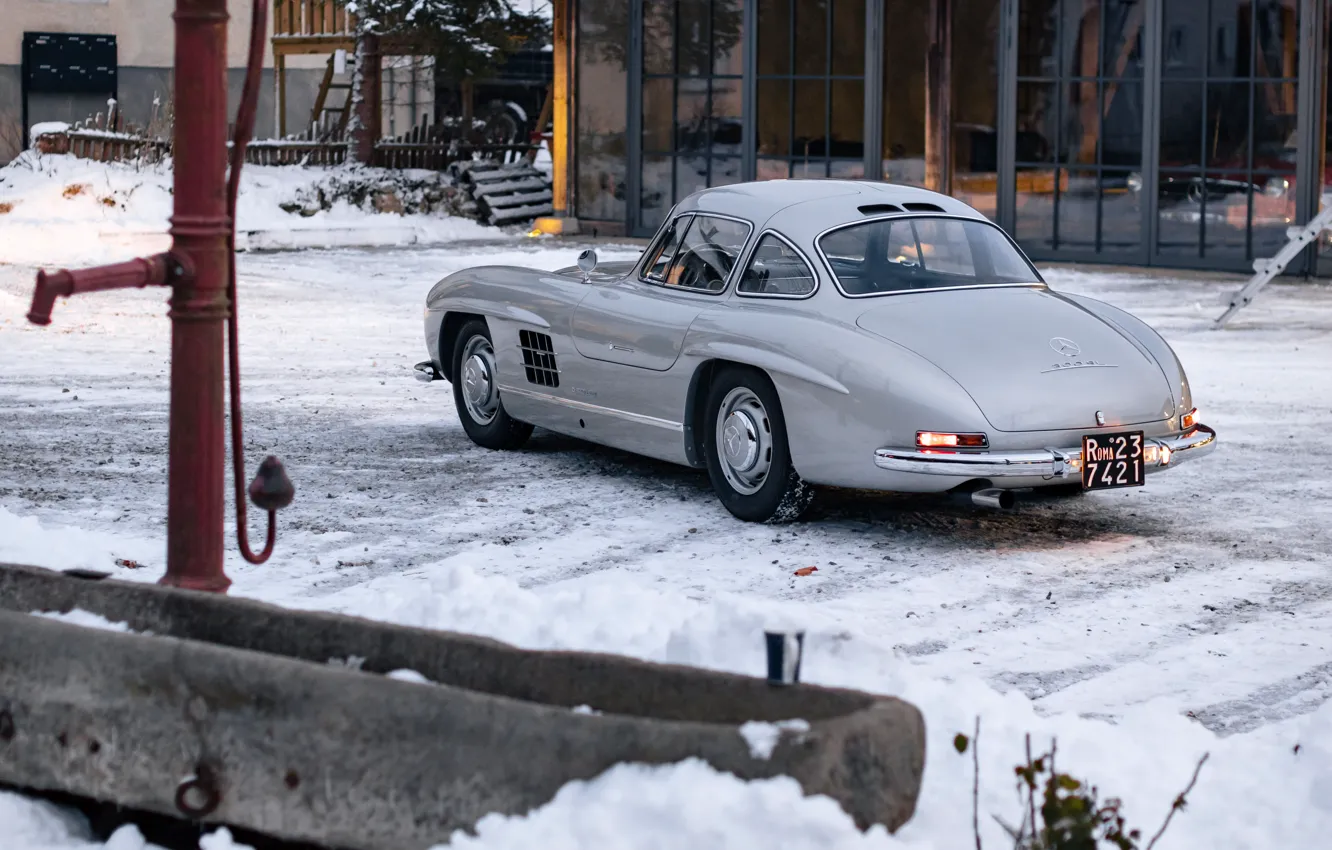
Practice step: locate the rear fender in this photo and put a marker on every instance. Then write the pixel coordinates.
(844, 394)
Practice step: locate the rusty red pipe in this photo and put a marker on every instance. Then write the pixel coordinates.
(199, 306)
(271, 489)
(145, 271)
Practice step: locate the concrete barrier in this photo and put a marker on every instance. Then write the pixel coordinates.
(229, 712)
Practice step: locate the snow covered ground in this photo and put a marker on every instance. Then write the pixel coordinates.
(1141, 627)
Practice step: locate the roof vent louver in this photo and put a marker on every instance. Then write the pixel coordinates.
(921, 206)
(879, 209)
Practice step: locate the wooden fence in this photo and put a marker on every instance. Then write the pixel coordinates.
(107, 138)
(436, 147)
(433, 147)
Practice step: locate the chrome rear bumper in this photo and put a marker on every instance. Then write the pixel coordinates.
(1161, 453)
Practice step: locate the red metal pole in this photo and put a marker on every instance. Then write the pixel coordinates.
(199, 306)
(199, 269)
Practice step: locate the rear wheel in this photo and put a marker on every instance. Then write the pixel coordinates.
(476, 392)
(749, 460)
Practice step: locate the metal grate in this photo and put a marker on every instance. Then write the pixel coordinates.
(539, 359)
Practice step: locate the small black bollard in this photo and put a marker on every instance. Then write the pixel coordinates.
(784, 651)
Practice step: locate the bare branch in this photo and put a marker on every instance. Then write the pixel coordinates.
(1031, 790)
(975, 783)
(1179, 802)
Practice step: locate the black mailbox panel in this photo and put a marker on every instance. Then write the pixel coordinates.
(69, 63)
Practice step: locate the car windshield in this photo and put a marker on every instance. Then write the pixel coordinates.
(900, 254)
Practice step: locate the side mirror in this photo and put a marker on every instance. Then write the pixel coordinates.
(587, 261)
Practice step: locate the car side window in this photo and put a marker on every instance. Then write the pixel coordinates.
(777, 269)
(663, 251)
(846, 250)
(708, 251)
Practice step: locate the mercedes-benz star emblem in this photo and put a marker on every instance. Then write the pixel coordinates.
(1065, 347)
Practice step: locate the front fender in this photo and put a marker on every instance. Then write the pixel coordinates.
(497, 292)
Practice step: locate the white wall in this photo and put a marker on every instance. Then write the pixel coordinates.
(143, 29)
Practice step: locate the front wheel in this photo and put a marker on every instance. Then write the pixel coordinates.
(749, 460)
(476, 392)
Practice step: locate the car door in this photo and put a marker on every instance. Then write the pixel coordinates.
(641, 320)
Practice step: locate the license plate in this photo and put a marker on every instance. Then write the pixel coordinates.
(1112, 460)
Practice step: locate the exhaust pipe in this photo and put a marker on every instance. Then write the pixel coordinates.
(993, 497)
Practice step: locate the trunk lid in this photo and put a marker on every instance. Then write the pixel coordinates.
(1031, 359)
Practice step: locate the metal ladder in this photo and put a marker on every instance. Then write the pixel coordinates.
(1300, 238)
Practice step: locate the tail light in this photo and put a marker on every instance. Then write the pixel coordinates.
(937, 440)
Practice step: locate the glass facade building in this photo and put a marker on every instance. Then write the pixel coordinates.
(1186, 133)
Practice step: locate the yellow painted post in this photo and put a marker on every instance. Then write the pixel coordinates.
(560, 144)
(564, 220)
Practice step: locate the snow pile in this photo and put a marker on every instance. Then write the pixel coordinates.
(762, 737)
(25, 540)
(59, 209)
(30, 824)
(87, 619)
(405, 675)
(689, 805)
(44, 127)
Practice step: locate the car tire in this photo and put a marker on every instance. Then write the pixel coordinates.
(744, 442)
(476, 392)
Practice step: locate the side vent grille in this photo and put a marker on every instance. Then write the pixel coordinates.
(920, 206)
(539, 359)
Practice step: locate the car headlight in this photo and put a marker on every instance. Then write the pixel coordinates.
(1135, 182)
(1276, 187)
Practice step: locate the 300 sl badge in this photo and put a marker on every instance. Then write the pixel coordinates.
(1079, 364)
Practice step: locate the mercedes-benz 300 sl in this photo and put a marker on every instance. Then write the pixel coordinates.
(791, 333)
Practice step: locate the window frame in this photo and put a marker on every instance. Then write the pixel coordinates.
(746, 246)
(749, 259)
(644, 267)
(1039, 282)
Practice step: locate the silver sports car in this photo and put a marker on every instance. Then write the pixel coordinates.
(791, 333)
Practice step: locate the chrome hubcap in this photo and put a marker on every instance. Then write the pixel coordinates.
(744, 441)
(478, 380)
(740, 441)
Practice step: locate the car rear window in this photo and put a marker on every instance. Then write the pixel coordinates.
(905, 253)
